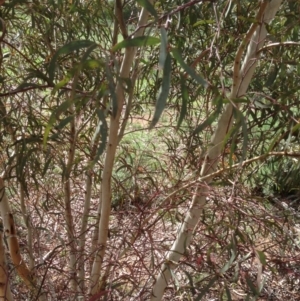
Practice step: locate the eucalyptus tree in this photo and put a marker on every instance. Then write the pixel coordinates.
(74, 74)
(242, 74)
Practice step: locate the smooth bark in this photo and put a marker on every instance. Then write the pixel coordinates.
(242, 76)
(110, 157)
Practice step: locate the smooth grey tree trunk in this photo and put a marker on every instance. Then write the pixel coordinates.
(242, 75)
(113, 140)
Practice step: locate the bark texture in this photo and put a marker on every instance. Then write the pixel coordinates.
(110, 156)
(5, 292)
(12, 240)
(242, 75)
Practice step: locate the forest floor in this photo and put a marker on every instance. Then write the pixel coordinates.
(245, 247)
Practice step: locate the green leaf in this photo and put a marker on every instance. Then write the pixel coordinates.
(190, 278)
(88, 52)
(233, 132)
(148, 6)
(203, 22)
(164, 93)
(177, 56)
(35, 73)
(211, 118)
(273, 142)
(174, 277)
(137, 42)
(272, 76)
(27, 85)
(163, 47)
(262, 257)
(259, 104)
(206, 289)
(46, 166)
(62, 108)
(251, 286)
(85, 63)
(185, 99)
(241, 235)
(229, 263)
(295, 128)
(228, 293)
(66, 49)
(63, 82)
(91, 64)
(100, 134)
(236, 274)
(116, 285)
(65, 121)
(242, 122)
(261, 285)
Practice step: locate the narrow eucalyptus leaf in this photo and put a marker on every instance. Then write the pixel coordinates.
(251, 286)
(208, 121)
(241, 122)
(62, 108)
(93, 64)
(274, 142)
(27, 85)
(46, 166)
(245, 136)
(192, 286)
(163, 47)
(89, 50)
(199, 79)
(185, 99)
(229, 263)
(148, 6)
(164, 92)
(206, 289)
(100, 134)
(66, 49)
(262, 257)
(62, 83)
(228, 294)
(35, 73)
(272, 76)
(65, 121)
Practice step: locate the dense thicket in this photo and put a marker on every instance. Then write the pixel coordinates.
(96, 196)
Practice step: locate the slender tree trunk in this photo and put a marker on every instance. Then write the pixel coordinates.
(27, 221)
(110, 157)
(5, 292)
(68, 190)
(84, 221)
(11, 237)
(68, 210)
(241, 80)
(82, 237)
(13, 245)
